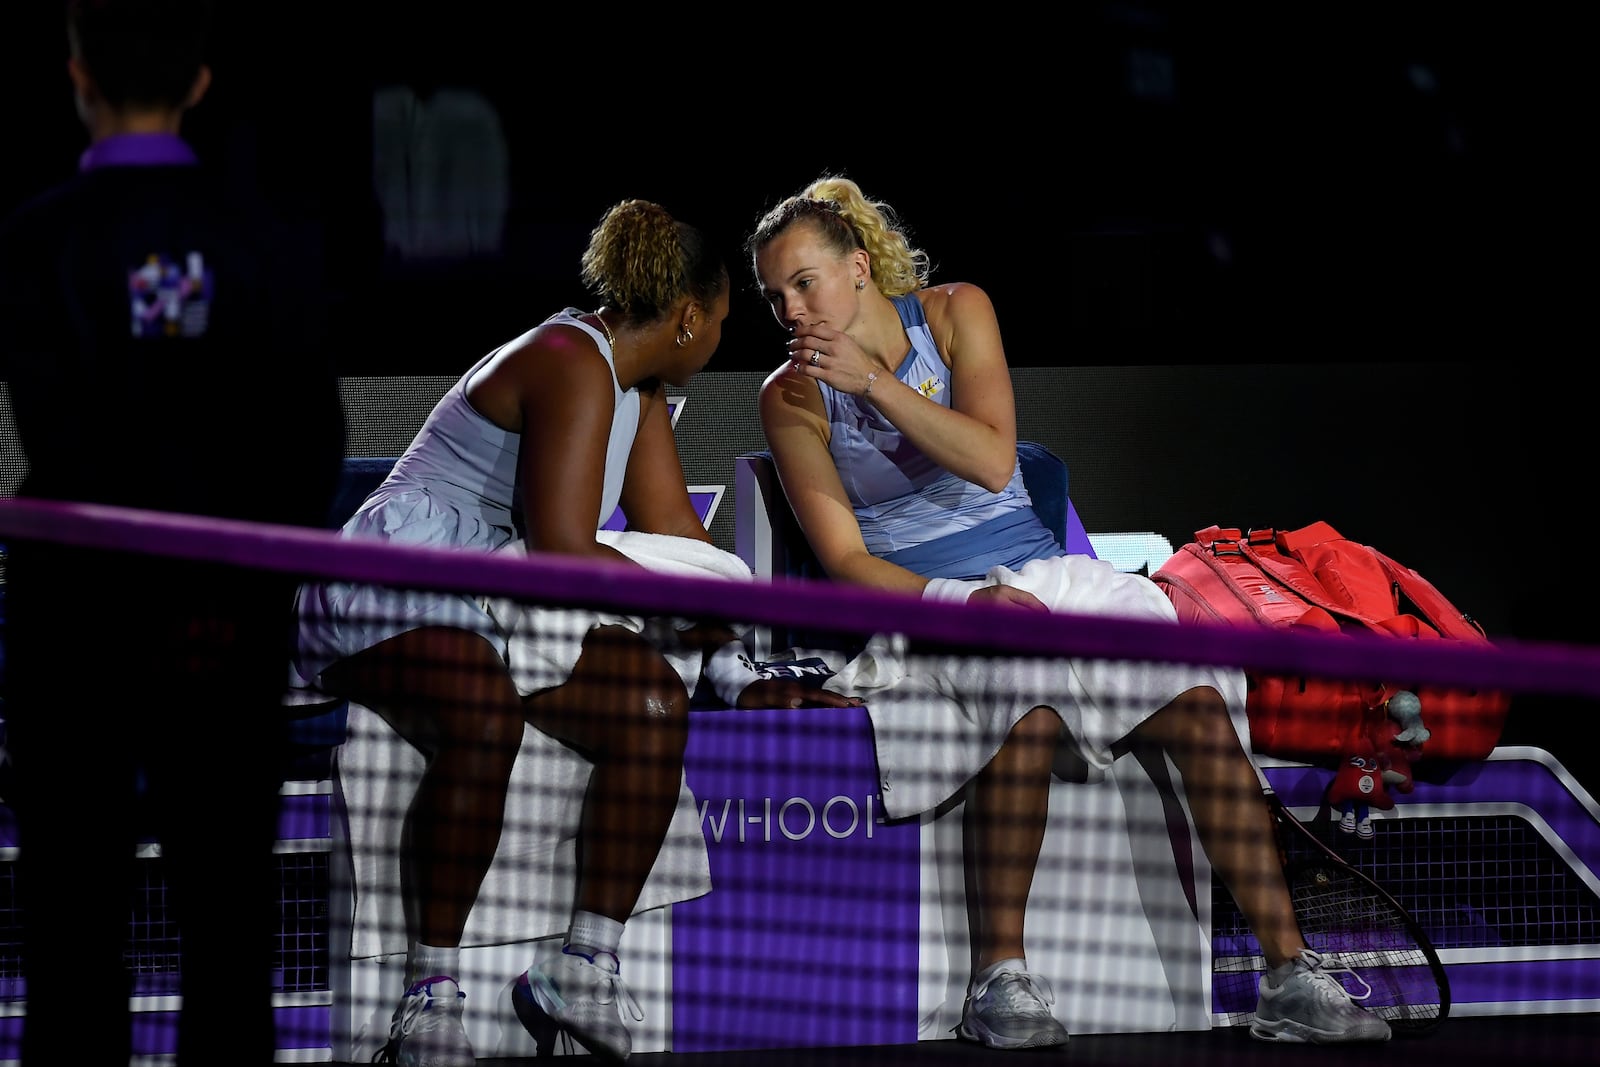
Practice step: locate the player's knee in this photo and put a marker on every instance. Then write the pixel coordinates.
(1040, 726)
(659, 702)
(493, 730)
(1196, 718)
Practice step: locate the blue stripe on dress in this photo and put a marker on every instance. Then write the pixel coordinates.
(1009, 540)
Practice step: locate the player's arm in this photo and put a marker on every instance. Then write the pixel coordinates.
(796, 429)
(976, 436)
(565, 432)
(654, 496)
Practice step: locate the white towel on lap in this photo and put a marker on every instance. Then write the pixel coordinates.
(938, 719)
(529, 891)
(543, 641)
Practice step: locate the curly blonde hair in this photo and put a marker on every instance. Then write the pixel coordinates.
(642, 261)
(846, 220)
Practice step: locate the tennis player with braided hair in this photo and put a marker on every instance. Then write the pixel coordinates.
(548, 433)
(893, 427)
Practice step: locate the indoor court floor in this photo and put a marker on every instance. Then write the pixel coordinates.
(1474, 1041)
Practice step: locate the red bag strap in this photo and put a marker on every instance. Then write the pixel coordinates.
(1212, 534)
(1261, 548)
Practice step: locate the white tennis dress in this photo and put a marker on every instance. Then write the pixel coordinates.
(455, 487)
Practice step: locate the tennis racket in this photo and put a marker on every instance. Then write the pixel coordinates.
(1346, 915)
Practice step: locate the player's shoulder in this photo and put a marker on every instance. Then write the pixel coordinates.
(950, 301)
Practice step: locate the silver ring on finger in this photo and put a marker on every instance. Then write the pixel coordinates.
(816, 357)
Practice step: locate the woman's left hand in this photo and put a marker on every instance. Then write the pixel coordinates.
(831, 356)
(1007, 594)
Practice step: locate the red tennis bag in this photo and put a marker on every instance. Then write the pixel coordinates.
(1315, 579)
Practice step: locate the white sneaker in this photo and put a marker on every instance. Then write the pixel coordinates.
(1312, 1006)
(1347, 822)
(1012, 1010)
(579, 996)
(427, 1030)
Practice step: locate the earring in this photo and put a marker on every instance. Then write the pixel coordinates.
(861, 283)
(685, 337)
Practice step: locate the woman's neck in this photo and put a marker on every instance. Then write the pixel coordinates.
(883, 335)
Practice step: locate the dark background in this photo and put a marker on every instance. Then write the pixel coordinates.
(1360, 230)
(1133, 182)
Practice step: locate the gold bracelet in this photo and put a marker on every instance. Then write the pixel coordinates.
(872, 376)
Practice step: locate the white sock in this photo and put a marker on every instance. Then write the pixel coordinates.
(431, 961)
(592, 934)
(1279, 974)
(1016, 963)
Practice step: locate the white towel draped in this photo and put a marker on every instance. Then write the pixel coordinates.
(937, 720)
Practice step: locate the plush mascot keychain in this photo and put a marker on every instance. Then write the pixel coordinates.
(1357, 788)
(1379, 760)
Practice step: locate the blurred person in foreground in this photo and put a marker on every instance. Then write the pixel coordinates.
(161, 338)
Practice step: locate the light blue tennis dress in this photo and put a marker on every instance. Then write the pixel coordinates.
(937, 720)
(912, 511)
